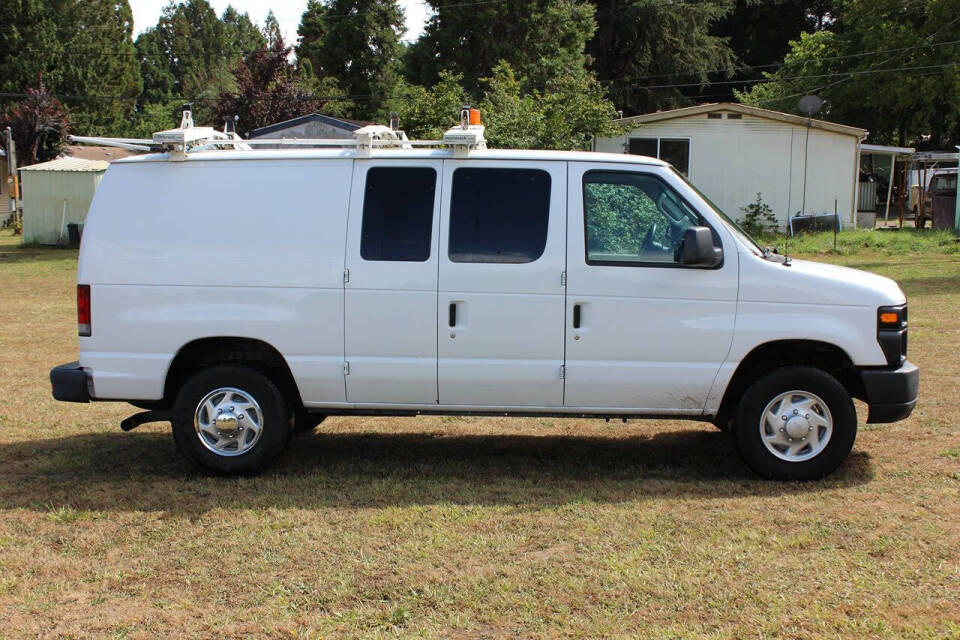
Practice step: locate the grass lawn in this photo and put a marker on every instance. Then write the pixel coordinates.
(474, 528)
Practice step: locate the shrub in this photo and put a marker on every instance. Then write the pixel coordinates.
(758, 218)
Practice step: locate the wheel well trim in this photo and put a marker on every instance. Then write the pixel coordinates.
(767, 356)
(278, 369)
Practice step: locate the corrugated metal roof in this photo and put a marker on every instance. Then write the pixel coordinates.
(69, 164)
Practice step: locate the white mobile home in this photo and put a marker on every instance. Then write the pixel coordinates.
(732, 152)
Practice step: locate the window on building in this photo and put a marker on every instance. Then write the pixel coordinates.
(676, 151)
(398, 214)
(499, 215)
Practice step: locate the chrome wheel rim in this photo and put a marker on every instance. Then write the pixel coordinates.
(796, 426)
(228, 421)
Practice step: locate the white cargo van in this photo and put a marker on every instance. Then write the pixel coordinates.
(243, 294)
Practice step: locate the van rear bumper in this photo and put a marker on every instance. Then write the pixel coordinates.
(71, 383)
(890, 393)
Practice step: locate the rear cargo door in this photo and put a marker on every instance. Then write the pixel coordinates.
(391, 283)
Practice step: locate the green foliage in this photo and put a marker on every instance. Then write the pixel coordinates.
(619, 218)
(563, 116)
(758, 217)
(652, 42)
(759, 33)
(189, 54)
(360, 47)
(64, 42)
(540, 39)
(878, 92)
(153, 117)
(426, 114)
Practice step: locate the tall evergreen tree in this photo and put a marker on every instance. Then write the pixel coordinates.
(644, 47)
(188, 55)
(539, 39)
(357, 42)
(759, 33)
(83, 52)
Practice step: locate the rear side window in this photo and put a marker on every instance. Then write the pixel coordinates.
(398, 214)
(499, 215)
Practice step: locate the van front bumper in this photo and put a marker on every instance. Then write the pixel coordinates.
(890, 393)
(71, 383)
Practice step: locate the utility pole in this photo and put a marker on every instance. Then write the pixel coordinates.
(11, 146)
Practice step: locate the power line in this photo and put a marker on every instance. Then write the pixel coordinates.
(332, 98)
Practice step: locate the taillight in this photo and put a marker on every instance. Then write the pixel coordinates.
(83, 309)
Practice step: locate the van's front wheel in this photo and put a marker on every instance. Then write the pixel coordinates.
(795, 423)
(230, 419)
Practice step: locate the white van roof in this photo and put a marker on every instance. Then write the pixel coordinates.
(398, 154)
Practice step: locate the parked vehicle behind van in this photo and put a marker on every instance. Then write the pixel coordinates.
(241, 294)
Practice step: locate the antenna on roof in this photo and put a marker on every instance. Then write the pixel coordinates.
(186, 118)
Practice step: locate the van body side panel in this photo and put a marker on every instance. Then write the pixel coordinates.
(651, 338)
(180, 251)
(502, 346)
(391, 305)
(806, 301)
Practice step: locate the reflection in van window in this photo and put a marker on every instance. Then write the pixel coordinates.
(499, 215)
(398, 214)
(633, 218)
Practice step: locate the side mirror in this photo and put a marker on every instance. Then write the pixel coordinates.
(698, 249)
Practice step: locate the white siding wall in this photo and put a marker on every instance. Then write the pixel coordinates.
(43, 196)
(733, 160)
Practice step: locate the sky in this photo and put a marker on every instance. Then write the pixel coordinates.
(288, 12)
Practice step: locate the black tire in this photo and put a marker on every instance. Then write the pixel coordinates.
(275, 428)
(749, 441)
(304, 421)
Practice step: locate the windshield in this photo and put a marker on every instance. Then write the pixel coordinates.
(732, 225)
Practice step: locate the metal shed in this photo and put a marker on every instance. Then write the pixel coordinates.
(57, 193)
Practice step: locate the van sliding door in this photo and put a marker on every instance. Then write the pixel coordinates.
(500, 316)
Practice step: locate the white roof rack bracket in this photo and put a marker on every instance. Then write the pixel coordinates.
(180, 142)
(468, 135)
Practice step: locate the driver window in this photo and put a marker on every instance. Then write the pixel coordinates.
(633, 218)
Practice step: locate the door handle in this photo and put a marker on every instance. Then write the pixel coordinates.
(453, 314)
(576, 316)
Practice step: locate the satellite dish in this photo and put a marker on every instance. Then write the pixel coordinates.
(810, 105)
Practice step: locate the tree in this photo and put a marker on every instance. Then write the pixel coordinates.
(907, 93)
(540, 39)
(357, 42)
(242, 34)
(566, 114)
(39, 123)
(644, 47)
(84, 52)
(268, 90)
(188, 55)
(271, 30)
(759, 34)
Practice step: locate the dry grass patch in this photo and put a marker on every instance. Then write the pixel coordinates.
(466, 527)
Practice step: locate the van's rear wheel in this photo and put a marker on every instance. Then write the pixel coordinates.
(795, 423)
(230, 419)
